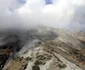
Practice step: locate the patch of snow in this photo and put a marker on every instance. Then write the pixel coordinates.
(61, 49)
(46, 66)
(70, 65)
(28, 47)
(29, 67)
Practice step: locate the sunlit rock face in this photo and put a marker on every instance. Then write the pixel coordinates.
(43, 48)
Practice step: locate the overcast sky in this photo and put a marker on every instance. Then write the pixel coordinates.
(54, 13)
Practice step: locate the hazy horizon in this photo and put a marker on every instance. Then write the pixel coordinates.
(52, 13)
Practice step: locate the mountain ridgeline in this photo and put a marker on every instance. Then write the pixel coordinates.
(38, 48)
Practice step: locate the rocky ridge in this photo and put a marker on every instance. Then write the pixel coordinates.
(44, 49)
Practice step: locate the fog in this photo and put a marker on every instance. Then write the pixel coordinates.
(24, 14)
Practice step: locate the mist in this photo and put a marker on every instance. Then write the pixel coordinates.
(24, 14)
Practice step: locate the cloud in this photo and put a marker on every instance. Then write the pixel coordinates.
(54, 13)
(16, 4)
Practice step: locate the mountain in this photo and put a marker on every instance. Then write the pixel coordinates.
(42, 48)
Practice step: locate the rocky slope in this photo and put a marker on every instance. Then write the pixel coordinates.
(43, 49)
